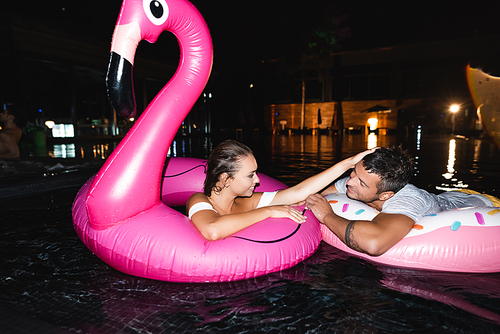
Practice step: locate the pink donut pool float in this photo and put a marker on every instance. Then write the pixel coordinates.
(463, 240)
(123, 214)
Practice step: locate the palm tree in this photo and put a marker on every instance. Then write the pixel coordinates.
(308, 39)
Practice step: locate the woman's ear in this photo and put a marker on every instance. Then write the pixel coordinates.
(224, 179)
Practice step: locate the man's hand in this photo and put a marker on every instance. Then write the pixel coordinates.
(319, 207)
(373, 237)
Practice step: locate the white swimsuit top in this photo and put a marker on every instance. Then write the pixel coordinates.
(265, 200)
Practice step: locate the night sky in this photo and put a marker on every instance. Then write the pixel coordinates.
(247, 32)
(258, 24)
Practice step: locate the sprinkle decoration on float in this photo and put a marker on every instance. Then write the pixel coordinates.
(462, 240)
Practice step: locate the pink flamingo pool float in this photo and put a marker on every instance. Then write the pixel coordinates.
(122, 214)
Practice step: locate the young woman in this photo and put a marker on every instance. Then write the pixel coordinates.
(229, 204)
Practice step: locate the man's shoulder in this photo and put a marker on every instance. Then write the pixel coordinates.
(411, 197)
(411, 190)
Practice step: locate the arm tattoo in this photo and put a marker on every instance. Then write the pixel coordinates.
(349, 237)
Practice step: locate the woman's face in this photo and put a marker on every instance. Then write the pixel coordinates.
(244, 181)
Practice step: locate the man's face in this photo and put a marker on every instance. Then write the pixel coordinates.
(362, 185)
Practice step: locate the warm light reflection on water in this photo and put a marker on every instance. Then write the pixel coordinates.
(101, 151)
(453, 183)
(471, 163)
(451, 160)
(372, 141)
(442, 162)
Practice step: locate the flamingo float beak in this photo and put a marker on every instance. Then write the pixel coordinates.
(120, 85)
(119, 79)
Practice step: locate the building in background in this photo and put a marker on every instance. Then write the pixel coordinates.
(393, 88)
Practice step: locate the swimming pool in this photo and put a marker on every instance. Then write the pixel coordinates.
(51, 282)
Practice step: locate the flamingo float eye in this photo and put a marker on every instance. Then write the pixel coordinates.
(156, 11)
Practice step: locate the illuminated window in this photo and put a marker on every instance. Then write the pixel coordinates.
(63, 131)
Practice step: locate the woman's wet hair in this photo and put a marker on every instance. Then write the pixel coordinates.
(225, 158)
(393, 165)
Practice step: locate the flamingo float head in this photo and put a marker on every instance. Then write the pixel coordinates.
(138, 20)
(130, 180)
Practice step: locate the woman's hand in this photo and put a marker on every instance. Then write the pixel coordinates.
(286, 211)
(358, 157)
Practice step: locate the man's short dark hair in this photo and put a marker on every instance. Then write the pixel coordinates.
(393, 165)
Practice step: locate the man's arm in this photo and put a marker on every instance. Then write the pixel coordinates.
(373, 237)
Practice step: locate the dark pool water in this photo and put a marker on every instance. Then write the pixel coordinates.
(50, 282)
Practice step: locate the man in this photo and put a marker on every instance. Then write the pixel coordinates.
(380, 180)
(10, 134)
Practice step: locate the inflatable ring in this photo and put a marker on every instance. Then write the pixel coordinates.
(122, 215)
(462, 240)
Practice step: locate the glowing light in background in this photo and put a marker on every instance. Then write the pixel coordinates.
(373, 123)
(50, 124)
(63, 130)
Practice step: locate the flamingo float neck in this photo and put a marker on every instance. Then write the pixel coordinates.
(129, 183)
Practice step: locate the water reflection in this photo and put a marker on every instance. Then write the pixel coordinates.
(454, 183)
(100, 151)
(451, 160)
(52, 276)
(441, 163)
(63, 151)
(194, 147)
(372, 141)
(467, 163)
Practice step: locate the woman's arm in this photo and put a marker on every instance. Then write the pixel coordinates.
(330, 190)
(317, 182)
(214, 226)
